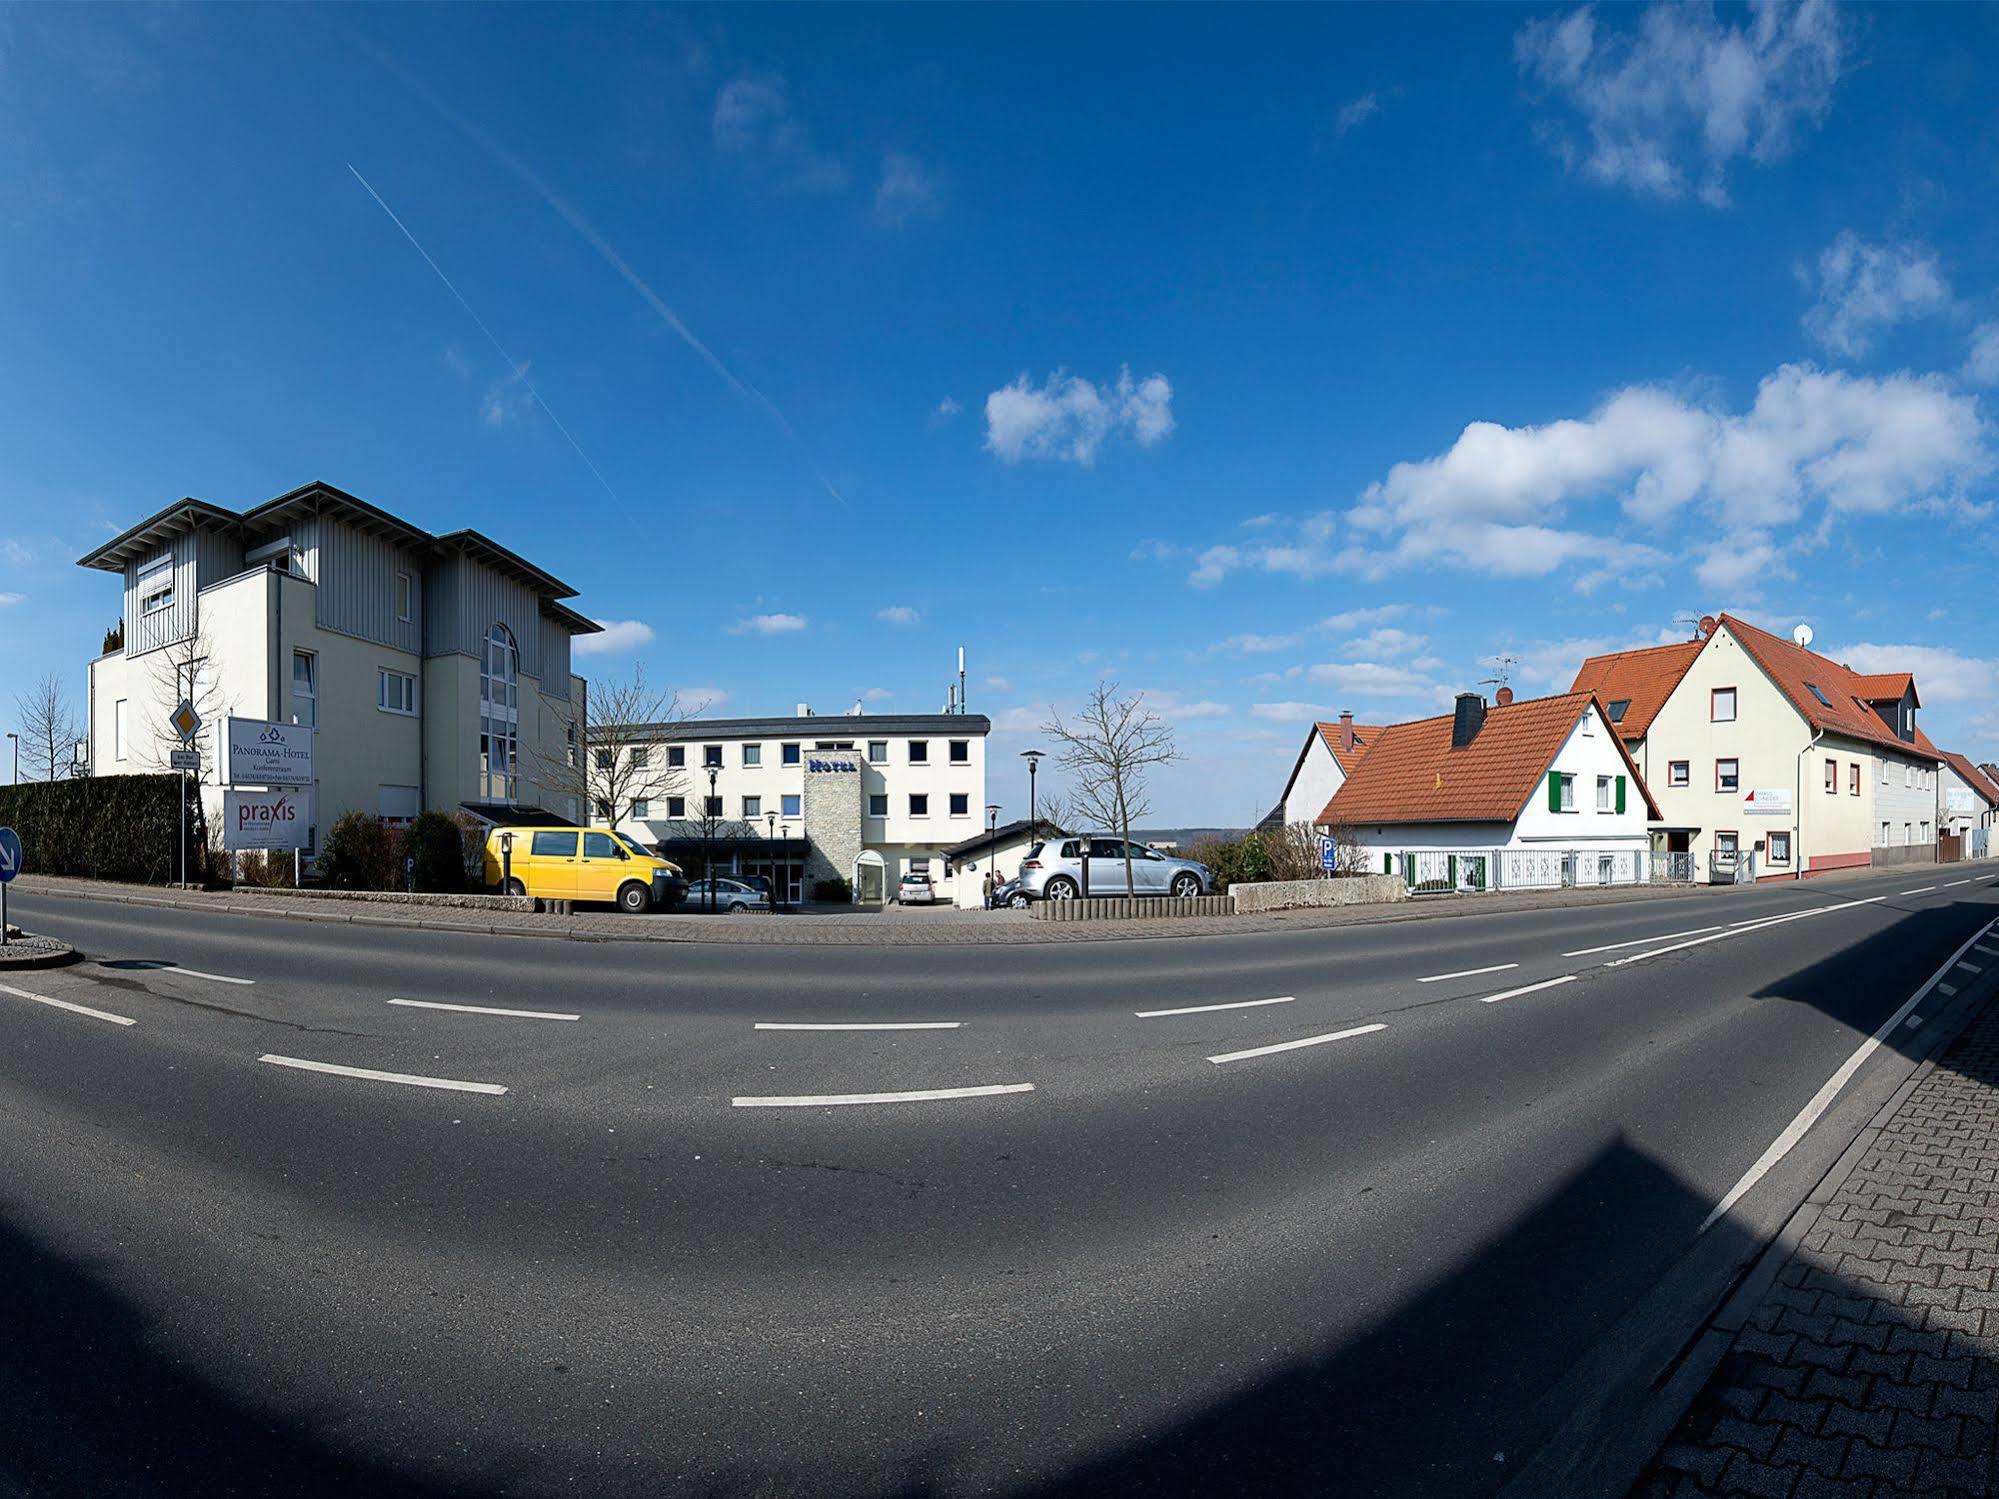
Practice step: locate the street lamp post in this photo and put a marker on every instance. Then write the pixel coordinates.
(1033, 759)
(770, 851)
(708, 815)
(992, 843)
(17, 759)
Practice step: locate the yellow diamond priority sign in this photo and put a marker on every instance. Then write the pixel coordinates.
(186, 722)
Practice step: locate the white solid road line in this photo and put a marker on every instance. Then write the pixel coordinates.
(859, 1025)
(193, 973)
(1467, 973)
(436, 1004)
(1743, 929)
(1920, 890)
(1235, 1004)
(1822, 1100)
(63, 1004)
(1493, 999)
(1264, 1051)
(368, 1074)
(921, 1095)
(1584, 952)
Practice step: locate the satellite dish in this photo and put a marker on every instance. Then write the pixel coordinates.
(1803, 635)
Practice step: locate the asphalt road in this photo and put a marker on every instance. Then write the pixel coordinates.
(1372, 1264)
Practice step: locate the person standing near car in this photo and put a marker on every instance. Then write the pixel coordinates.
(989, 889)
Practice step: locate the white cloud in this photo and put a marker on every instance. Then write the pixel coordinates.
(507, 399)
(754, 120)
(456, 362)
(9, 599)
(1068, 418)
(1981, 365)
(1290, 712)
(1170, 704)
(1735, 563)
(1354, 619)
(1865, 288)
(907, 190)
(698, 700)
(899, 614)
(1386, 641)
(618, 637)
(1942, 676)
(1356, 112)
(768, 624)
(948, 408)
(1255, 645)
(1667, 106)
(1371, 679)
(997, 684)
(19, 553)
(878, 695)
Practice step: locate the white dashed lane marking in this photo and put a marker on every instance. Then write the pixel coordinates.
(63, 1004)
(1584, 952)
(368, 1074)
(858, 1025)
(920, 1095)
(1264, 1051)
(1234, 1004)
(1466, 973)
(1493, 999)
(434, 1004)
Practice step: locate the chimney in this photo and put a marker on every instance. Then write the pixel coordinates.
(804, 710)
(1503, 696)
(1346, 728)
(1470, 716)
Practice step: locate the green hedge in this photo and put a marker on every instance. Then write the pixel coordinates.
(107, 827)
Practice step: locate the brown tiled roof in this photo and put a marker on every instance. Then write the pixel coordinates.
(1412, 773)
(1973, 777)
(1646, 677)
(1883, 686)
(1348, 759)
(1796, 671)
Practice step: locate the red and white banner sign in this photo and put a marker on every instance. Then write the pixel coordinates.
(266, 819)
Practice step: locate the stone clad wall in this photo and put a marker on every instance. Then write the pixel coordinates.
(1352, 890)
(832, 807)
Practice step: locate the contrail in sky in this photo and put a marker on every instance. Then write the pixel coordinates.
(609, 252)
(519, 370)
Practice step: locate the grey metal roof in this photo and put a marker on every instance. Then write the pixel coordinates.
(817, 726)
(148, 534)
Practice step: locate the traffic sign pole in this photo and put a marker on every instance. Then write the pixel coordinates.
(10, 865)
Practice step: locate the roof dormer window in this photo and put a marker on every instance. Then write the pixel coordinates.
(1618, 708)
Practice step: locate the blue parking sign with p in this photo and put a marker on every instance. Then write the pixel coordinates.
(1326, 858)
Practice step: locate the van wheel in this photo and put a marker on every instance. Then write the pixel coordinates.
(514, 887)
(634, 899)
(1060, 888)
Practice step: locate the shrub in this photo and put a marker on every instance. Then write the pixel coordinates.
(434, 842)
(832, 890)
(361, 853)
(108, 827)
(266, 868)
(472, 842)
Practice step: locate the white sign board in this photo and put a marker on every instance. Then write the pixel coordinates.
(269, 754)
(1959, 801)
(183, 759)
(1767, 801)
(266, 819)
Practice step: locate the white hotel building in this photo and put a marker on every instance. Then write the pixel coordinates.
(857, 797)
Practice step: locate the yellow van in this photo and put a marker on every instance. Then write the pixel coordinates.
(580, 864)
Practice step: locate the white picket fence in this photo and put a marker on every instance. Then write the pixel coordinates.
(1471, 871)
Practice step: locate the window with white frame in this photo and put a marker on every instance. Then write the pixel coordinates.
(1727, 775)
(641, 757)
(919, 751)
(1721, 705)
(961, 752)
(877, 804)
(1563, 798)
(961, 804)
(753, 755)
(789, 804)
(713, 804)
(753, 806)
(676, 806)
(1778, 849)
(403, 597)
(641, 807)
(156, 584)
(788, 754)
(395, 691)
(877, 752)
(676, 756)
(305, 689)
(118, 729)
(1604, 794)
(919, 804)
(605, 758)
(1678, 772)
(711, 754)
(499, 714)
(1832, 777)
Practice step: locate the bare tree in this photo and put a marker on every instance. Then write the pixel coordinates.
(1052, 807)
(185, 669)
(610, 759)
(47, 728)
(1109, 749)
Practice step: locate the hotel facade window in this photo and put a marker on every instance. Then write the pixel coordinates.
(499, 714)
(305, 689)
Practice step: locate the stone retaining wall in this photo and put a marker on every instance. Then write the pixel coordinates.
(1102, 908)
(1351, 890)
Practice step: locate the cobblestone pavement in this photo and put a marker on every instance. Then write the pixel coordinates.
(1871, 1366)
(891, 928)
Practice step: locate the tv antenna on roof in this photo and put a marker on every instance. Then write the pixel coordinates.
(1803, 635)
(1502, 668)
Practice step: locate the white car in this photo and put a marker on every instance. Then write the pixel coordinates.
(916, 890)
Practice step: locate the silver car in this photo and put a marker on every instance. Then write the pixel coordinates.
(728, 896)
(1053, 870)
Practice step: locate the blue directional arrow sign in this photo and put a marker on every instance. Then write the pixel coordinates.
(10, 854)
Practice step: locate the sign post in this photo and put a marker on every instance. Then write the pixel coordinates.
(278, 757)
(10, 865)
(1328, 855)
(186, 723)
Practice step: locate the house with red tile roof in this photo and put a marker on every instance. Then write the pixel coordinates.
(1967, 797)
(1533, 792)
(1769, 758)
(1327, 758)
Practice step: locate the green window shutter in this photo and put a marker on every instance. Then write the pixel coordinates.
(1554, 791)
(1451, 865)
(1388, 863)
(1620, 793)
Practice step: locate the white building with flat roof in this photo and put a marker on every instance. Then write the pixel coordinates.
(433, 670)
(856, 797)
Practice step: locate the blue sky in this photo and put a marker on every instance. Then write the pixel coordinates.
(1272, 361)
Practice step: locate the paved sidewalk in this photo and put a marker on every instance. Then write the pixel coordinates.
(1871, 1365)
